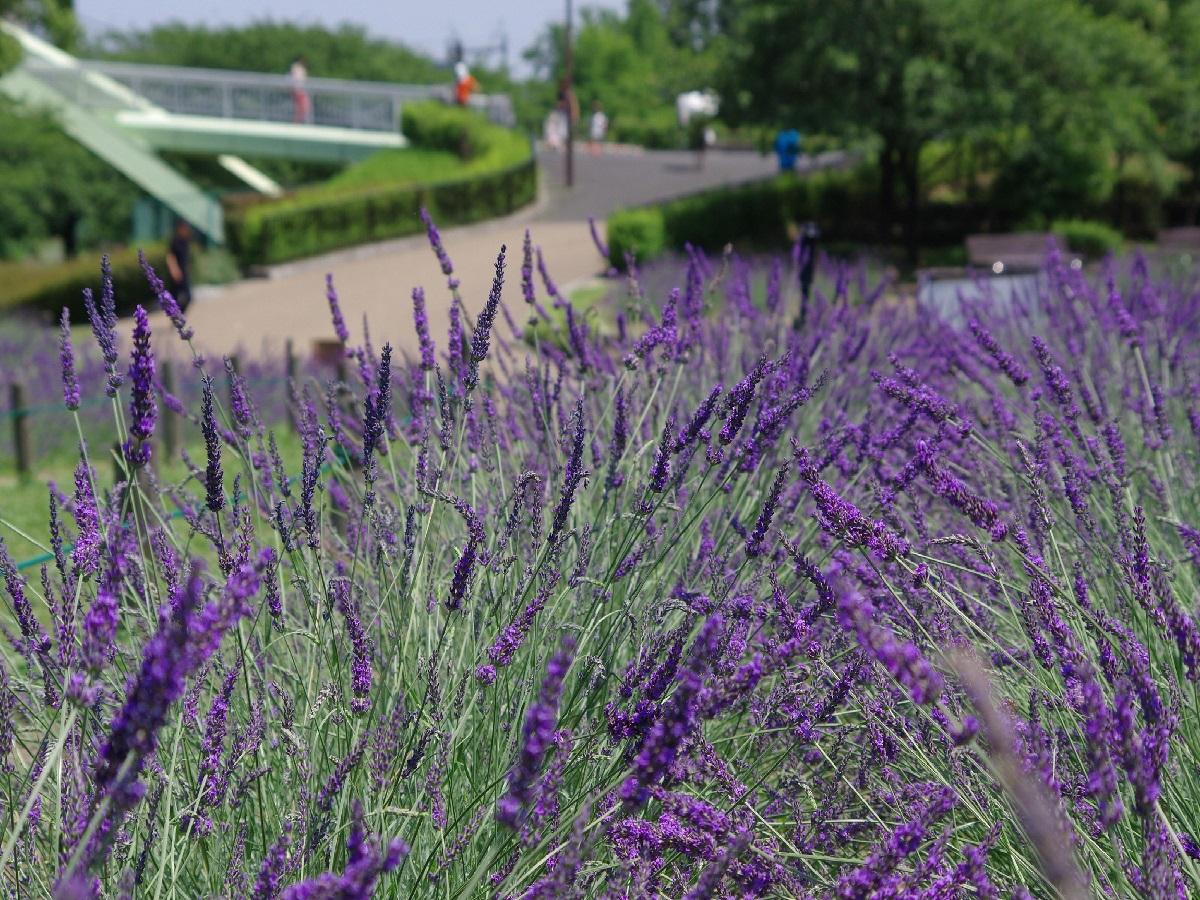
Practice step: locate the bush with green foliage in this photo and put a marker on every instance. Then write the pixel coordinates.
(1092, 239)
(54, 188)
(639, 233)
(757, 214)
(266, 46)
(48, 288)
(378, 199)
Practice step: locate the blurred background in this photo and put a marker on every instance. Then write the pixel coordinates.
(1003, 117)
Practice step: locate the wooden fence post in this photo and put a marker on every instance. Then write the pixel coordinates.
(22, 442)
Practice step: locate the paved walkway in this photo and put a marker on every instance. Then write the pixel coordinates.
(257, 315)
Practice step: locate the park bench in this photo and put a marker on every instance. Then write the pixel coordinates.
(1000, 252)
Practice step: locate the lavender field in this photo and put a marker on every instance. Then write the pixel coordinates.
(746, 594)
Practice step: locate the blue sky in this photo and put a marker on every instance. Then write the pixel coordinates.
(424, 25)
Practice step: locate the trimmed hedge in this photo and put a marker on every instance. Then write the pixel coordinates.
(759, 213)
(1092, 239)
(328, 218)
(767, 213)
(48, 288)
(266, 235)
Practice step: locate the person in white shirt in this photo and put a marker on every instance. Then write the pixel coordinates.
(301, 103)
(597, 128)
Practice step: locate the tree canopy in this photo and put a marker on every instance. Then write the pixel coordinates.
(345, 52)
(1059, 83)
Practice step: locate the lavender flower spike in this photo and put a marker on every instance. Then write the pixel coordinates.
(483, 325)
(421, 323)
(439, 250)
(596, 239)
(527, 271)
(537, 736)
(166, 299)
(335, 310)
(67, 357)
(213, 476)
(143, 408)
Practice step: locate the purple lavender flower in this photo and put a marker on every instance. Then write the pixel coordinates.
(366, 863)
(527, 290)
(335, 311)
(537, 736)
(421, 323)
(676, 719)
(454, 344)
(660, 470)
(754, 544)
(1056, 379)
(213, 476)
(465, 565)
(67, 357)
(1005, 361)
(86, 554)
(435, 241)
(166, 300)
(620, 436)
(274, 865)
(170, 656)
(104, 327)
(695, 426)
(572, 476)
(737, 404)
(35, 638)
(143, 409)
(212, 783)
(596, 239)
(100, 623)
(901, 658)
(361, 672)
(481, 337)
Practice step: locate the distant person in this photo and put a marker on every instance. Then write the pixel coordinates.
(787, 148)
(179, 253)
(301, 102)
(464, 83)
(597, 127)
(554, 132)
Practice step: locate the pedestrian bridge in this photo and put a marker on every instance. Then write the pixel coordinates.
(126, 112)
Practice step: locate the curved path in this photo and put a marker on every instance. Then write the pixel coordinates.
(256, 316)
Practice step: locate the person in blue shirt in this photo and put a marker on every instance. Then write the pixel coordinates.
(787, 148)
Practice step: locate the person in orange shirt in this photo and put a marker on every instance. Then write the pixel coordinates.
(464, 84)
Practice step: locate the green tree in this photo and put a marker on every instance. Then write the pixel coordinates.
(55, 188)
(633, 64)
(1033, 73)
(346, 52)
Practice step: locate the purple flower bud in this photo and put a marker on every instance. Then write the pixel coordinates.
(143, 409)
(596, 239)
(335, 311)
(435, 241)
(527, 271)
(166, 300)
(67, 358)
(213, 475)
(537, 736)
(421, 322)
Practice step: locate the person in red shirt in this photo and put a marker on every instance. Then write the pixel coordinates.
(464, 84)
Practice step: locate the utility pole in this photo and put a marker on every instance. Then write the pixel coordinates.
(568, 100)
